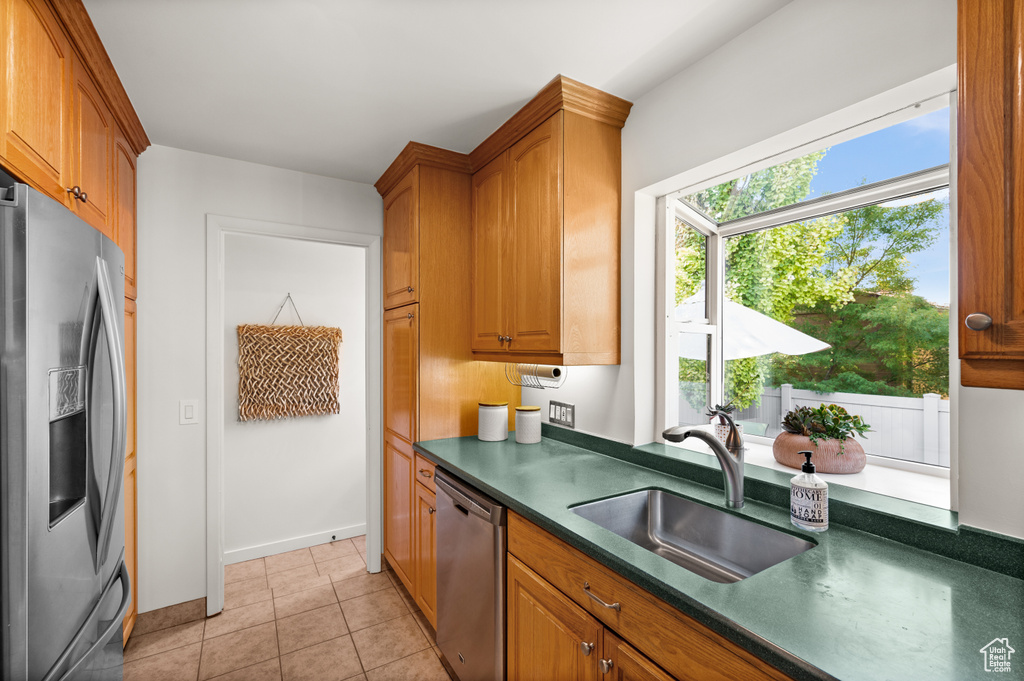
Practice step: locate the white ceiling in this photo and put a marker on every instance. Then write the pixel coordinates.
(338, 87)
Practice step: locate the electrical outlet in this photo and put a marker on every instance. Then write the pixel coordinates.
(562, 413)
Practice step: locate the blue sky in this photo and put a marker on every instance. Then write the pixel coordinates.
(916, 144)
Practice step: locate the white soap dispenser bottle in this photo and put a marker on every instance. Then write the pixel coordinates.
(808, 499)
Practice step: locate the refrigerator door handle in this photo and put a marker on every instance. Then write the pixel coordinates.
(110, 313)
(121, 574)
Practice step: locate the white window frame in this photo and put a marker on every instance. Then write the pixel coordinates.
(668, 208)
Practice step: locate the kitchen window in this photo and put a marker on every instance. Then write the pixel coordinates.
(819, 278)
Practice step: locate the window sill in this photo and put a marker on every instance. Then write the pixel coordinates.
(929, 488)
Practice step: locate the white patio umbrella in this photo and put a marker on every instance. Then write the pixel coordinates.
(747, 333)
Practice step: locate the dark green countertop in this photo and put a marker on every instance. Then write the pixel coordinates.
(856, 606)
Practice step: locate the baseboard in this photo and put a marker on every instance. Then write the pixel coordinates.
(264, 550)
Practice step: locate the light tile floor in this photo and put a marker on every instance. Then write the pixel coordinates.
(314, 614)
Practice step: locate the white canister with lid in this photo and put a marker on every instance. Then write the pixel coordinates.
(527, 425)
(492, 423)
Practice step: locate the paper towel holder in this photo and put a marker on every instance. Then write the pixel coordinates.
(535, 375)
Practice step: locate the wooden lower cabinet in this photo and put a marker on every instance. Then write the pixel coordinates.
(549, 636)
(398, 520)
(425, 593)
(550, 617)
(625, 663)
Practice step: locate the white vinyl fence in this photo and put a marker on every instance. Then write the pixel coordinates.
(907, 428)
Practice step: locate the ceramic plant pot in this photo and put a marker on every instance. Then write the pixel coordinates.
(722, 430)
(827, 457)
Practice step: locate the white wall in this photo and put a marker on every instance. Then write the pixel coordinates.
(176, 189)
(290, 483)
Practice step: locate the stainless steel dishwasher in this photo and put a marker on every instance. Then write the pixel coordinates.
(470, 580)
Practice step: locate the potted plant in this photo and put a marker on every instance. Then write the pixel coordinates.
(720, 423)
(827, 431)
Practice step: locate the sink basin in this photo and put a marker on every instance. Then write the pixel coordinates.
(711, 543)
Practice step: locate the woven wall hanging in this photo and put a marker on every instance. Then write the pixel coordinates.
(286, 371)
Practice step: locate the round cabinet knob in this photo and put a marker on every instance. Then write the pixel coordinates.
(979, 321)
(409, 316)
(410, 289)
(431, 511)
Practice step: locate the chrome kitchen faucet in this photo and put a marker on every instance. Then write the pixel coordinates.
(730, 456)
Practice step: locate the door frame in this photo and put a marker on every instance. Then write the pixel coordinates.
(217, 228)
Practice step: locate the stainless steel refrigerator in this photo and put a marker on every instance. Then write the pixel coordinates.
(63, 582)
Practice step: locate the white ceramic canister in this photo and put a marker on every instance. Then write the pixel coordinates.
(492, 424)
(527, 425)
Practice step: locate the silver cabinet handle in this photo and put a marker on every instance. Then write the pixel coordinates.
(606, 666)
(610, 606)
(431, 511)
(979, 321)
(425, 473)
(410, 289)
(587, 648)
(75, 191)
(84, 197)
(409, 316)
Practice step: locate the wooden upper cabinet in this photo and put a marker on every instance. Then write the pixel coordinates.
(546, 214)
(534, 306)
(124, 209)
(35, 80)
(402, 242)
(549, 636)
(990, 191)
(490, 239)
(92, 128)
(401, 372)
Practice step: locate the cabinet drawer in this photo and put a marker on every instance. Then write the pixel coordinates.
(425, 473)
(684, 647)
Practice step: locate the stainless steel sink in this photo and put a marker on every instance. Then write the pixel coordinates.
(714, 544)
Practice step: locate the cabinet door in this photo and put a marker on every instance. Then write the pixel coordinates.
(402, 242)
(131, 547)
(398, 512)
(35, 108)
(490, 241)
(401, 371)
(92, 134)
(124, 208)
(534, 301)
(625, 663)
(549, 636)
(990, 191)
(426, 553)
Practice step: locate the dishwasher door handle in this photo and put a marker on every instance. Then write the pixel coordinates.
(461, 500)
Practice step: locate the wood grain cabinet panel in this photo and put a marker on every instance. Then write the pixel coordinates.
(401, 371)
(546, 215)
(92, 133)
(490, 241)
(549, 636)
(35, 79)
(625, 663)
(401, 242)
(533, 304)
(990, 190)
(399, 544)
(131, 544)
(124, 209)
(426, 553)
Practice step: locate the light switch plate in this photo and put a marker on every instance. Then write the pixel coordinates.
(562, 414)
(188, 412)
